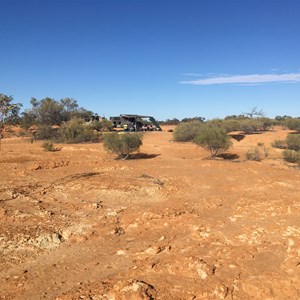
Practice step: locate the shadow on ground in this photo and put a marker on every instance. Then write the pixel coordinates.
(143, 156)
(228, 156)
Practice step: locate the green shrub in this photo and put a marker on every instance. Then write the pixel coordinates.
(247, 125)
(260, 144)
(280, 144)
(215, 122)
(231, 125)
(250, 126)
(257, 153)
(122, 144)
(213, 139)
(293, 142)
(291, 156)
(49, 146)
(45, 132)
(292, 123)
(102, 125)
(266, 123)
(77, 131)
(227, 124)
(187, 131)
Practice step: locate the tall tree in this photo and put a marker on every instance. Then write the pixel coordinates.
(8, 110)
(48, 111)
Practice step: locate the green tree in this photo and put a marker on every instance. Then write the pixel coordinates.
(69, 106)
(49, 112)
(8, 110)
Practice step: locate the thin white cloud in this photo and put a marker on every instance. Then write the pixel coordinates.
(192, 74)
(246, 79)
(205, 74)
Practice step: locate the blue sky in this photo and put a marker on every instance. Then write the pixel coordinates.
(164, 58)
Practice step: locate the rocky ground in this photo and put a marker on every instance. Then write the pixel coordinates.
(167, 224)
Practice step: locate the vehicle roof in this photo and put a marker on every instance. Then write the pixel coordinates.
(134, 116)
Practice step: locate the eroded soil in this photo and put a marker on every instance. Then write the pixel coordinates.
(167, 224)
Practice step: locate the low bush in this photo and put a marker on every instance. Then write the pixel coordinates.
(77, 131)
(280, 144)
(49, 146)
(293, 142)
(266, 123)
(213, 139)
(231, 125)
(250, 126)
(257, 153)
(122, 144)
(74, 131)
(292, 123)
(291, 156)
(227, 124)
(247, 125)
(187, 131)
(102, 125)
(45, 132)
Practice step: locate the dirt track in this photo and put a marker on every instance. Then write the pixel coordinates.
(169, 224)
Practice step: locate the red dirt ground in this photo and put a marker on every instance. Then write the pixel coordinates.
(168, 224)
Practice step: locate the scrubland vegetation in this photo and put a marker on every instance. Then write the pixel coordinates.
(258, 153)
(122, 144)
(213, 135)
(63, 121)
(291, 145)
(213, 139)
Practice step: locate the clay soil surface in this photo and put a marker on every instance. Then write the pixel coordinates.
(167, 224)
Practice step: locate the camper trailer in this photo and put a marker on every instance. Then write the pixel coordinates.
(131, 122)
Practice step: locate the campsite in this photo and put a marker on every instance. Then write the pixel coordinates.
(169, 223)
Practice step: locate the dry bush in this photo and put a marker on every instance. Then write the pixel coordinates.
(266, 123)
(250, 126)
(291, 156)
(49, 146)
(280, 144)
(293, 142)
(257, 153)
(292, 123)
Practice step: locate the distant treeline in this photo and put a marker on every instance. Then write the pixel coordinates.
(48, 112)
(175, 121)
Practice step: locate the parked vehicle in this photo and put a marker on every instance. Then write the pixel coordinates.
(135, 123)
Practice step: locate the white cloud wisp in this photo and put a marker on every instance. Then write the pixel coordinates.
(246, 79)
